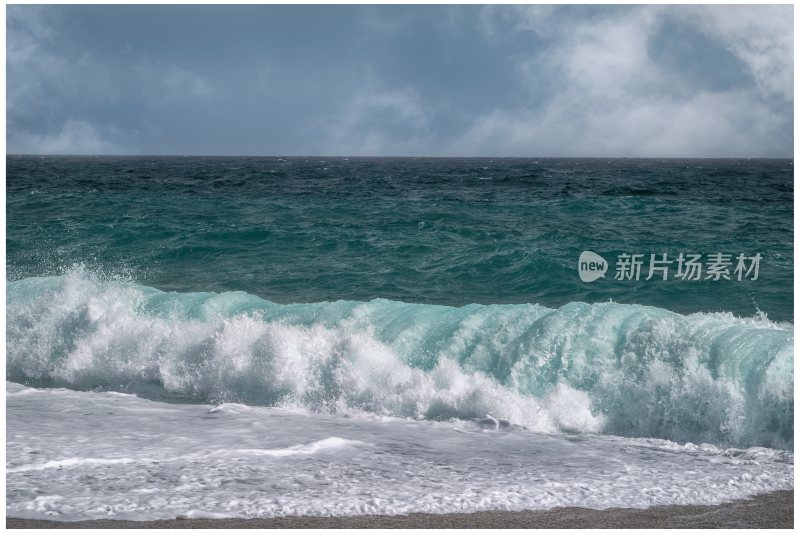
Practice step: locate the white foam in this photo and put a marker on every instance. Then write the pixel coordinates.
(68, 462)
(89, 455)
(620, 369)
(304, 449)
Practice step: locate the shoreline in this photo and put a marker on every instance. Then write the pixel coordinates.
(770, 510)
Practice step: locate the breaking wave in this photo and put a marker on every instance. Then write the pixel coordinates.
(628, 370)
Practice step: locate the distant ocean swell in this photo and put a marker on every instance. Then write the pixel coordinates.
(628, 370)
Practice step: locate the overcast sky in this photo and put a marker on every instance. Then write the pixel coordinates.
(651, 81)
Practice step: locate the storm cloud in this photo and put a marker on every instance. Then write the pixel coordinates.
(649, 81)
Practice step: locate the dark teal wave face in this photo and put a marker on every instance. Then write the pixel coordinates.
(443, 231)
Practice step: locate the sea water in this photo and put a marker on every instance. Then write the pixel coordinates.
(337, 336)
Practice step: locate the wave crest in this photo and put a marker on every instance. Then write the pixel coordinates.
(623, 369)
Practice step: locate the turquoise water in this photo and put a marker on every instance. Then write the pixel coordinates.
(422, 288)
(437, 231)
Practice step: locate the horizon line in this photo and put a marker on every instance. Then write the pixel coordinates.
(404, 156)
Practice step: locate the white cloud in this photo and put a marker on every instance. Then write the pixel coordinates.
(608, 97)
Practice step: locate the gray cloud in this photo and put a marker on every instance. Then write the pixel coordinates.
(761, 36)
(401, 80)
(74, 137)
(380, 121)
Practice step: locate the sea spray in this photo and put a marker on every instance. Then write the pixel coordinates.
(629, 370)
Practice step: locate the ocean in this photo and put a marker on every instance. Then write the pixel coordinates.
(332, 336)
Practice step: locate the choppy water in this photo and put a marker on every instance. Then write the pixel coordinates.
(380, 301)
(437, 231)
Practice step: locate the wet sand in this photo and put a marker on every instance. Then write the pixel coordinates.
(773, 510)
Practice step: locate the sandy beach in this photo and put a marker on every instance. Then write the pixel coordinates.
(772, 510)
